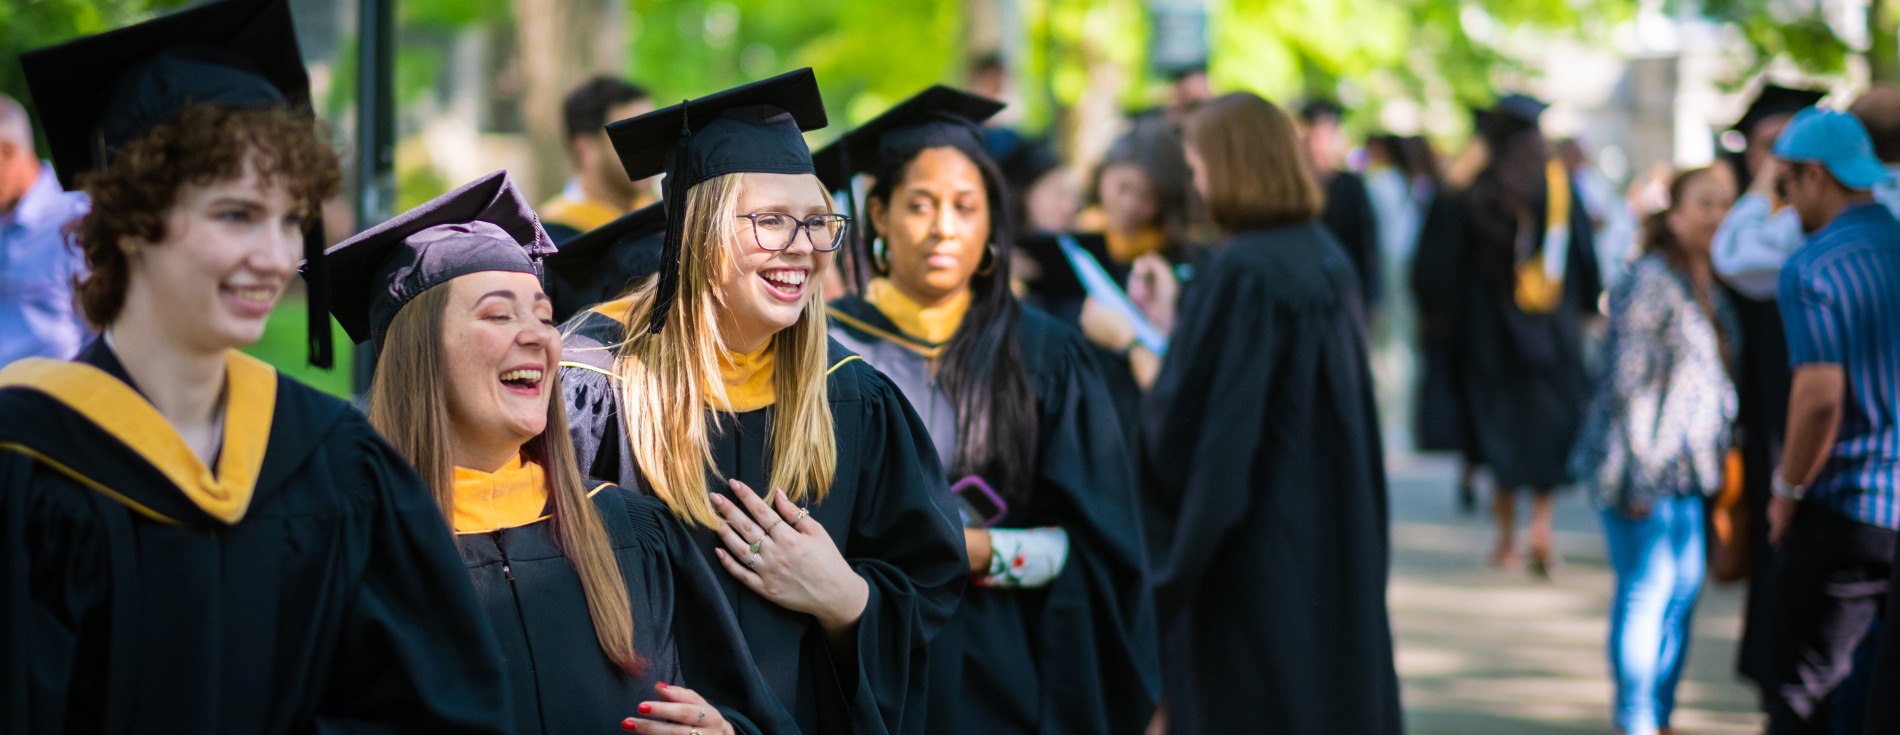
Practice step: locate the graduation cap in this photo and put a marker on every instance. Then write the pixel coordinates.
(595, 266)
(938, 116)
(484, 226)
(1773, 100)
(98, 93)
(751, 128)
(1510, 114)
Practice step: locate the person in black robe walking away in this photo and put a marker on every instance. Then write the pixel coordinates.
(1263, 471)
(193, 542)
(1055, 633)
(1348, 213)
(449, 295)
(1515, 252)
(716, 376)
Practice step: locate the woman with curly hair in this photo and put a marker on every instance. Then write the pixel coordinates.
(193, 542)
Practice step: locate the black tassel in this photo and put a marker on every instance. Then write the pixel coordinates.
(316, 279)
(673, 198)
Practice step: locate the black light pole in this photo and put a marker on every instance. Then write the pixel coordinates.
(375, 133)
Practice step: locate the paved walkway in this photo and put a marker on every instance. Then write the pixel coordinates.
(1485, 652)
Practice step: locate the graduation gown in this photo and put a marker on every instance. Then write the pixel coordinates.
(1267, 495)
(1080, 654)
(1350, 219)
(888, 511)
(1437, 277)
(335, 603)
(1520, 378)
(682, 625)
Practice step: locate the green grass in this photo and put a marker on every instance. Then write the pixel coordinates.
(283, 347)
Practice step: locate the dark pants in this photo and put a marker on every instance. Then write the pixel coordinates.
(1830, 581)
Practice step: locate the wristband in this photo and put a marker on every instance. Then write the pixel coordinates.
(1785, 491)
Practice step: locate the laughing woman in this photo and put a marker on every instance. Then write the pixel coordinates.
(1047, 638)
(450, 296)
(192, 542)
(716, 376)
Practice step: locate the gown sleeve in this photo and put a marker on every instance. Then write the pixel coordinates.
(1198, 443)
(714, 660)
(54, 568)
(910, 552)
(416, 654)
(1098, 622)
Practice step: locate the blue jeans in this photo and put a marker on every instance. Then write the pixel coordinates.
(1659, 565)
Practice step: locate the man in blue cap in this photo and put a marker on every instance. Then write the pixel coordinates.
(1835, 506)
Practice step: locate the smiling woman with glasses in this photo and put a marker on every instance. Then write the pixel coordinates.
(715, 376)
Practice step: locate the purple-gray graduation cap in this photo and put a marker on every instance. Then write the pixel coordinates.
(484, 226)
(96, 94)
(752, 128)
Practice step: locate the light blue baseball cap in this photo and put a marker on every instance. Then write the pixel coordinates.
(1835, 140)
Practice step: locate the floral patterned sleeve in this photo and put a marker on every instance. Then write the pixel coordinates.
(1025, 557)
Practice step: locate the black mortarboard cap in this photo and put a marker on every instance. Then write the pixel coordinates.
(1510, 114)
(98, 93)
(596, 266)
(484, 226)
(752, 128)
(1772, 100)
(938, 116)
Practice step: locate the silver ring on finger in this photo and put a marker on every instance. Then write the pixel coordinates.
(754, 561)
(702, 717)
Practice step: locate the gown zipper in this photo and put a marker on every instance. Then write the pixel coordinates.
(521, 618)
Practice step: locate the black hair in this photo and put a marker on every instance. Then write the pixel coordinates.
(1419, 161)
(1320, 109)
(585, 109)
(1153, 144)
(1508, 193)
(982, 371)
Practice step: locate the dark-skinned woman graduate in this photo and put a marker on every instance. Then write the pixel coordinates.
(605, 611)
(1262, 464)
(190, 542)
(1056, 631)
(716, 376)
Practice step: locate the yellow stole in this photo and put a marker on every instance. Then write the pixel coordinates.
(749, 379)
(933, 324)
(250, 402)
(1539, 285)
(509, 497)
(1125, 247)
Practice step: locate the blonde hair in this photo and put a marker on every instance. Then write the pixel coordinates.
(671, 377)
(408, 403)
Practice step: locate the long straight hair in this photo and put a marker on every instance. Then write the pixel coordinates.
(982, 372)
(408, 403)
(669, 379)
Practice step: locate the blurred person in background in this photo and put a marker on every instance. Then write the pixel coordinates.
(1511, 268)
(1655, 440)
(599, 190)
(1348, 208)
(1262, 461)
(37, 261)
(1836, 503)
(1610, 217)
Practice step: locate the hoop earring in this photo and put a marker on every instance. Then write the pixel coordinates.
(880, 261)
(989, 265)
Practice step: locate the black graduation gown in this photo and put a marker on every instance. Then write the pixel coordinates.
(1437, 277)
(1765, 382)
(682, 625)
(1349, 217)
(336, 603)
(888, 511)
(1521, 379)
(1268, 519)
(1080, 654)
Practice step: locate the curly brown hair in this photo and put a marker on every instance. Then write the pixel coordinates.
(133, 196)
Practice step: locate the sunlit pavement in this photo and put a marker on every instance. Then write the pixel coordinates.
(1484, 652)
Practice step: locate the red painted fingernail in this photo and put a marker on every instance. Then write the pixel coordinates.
(662, 685)
(646, 709)
(629, 725)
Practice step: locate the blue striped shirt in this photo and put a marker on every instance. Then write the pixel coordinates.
(1840, 302)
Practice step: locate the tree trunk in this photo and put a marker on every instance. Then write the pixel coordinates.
(552, 63)
(1883, 48)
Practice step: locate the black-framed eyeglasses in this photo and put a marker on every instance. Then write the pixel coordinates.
(777, 231)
